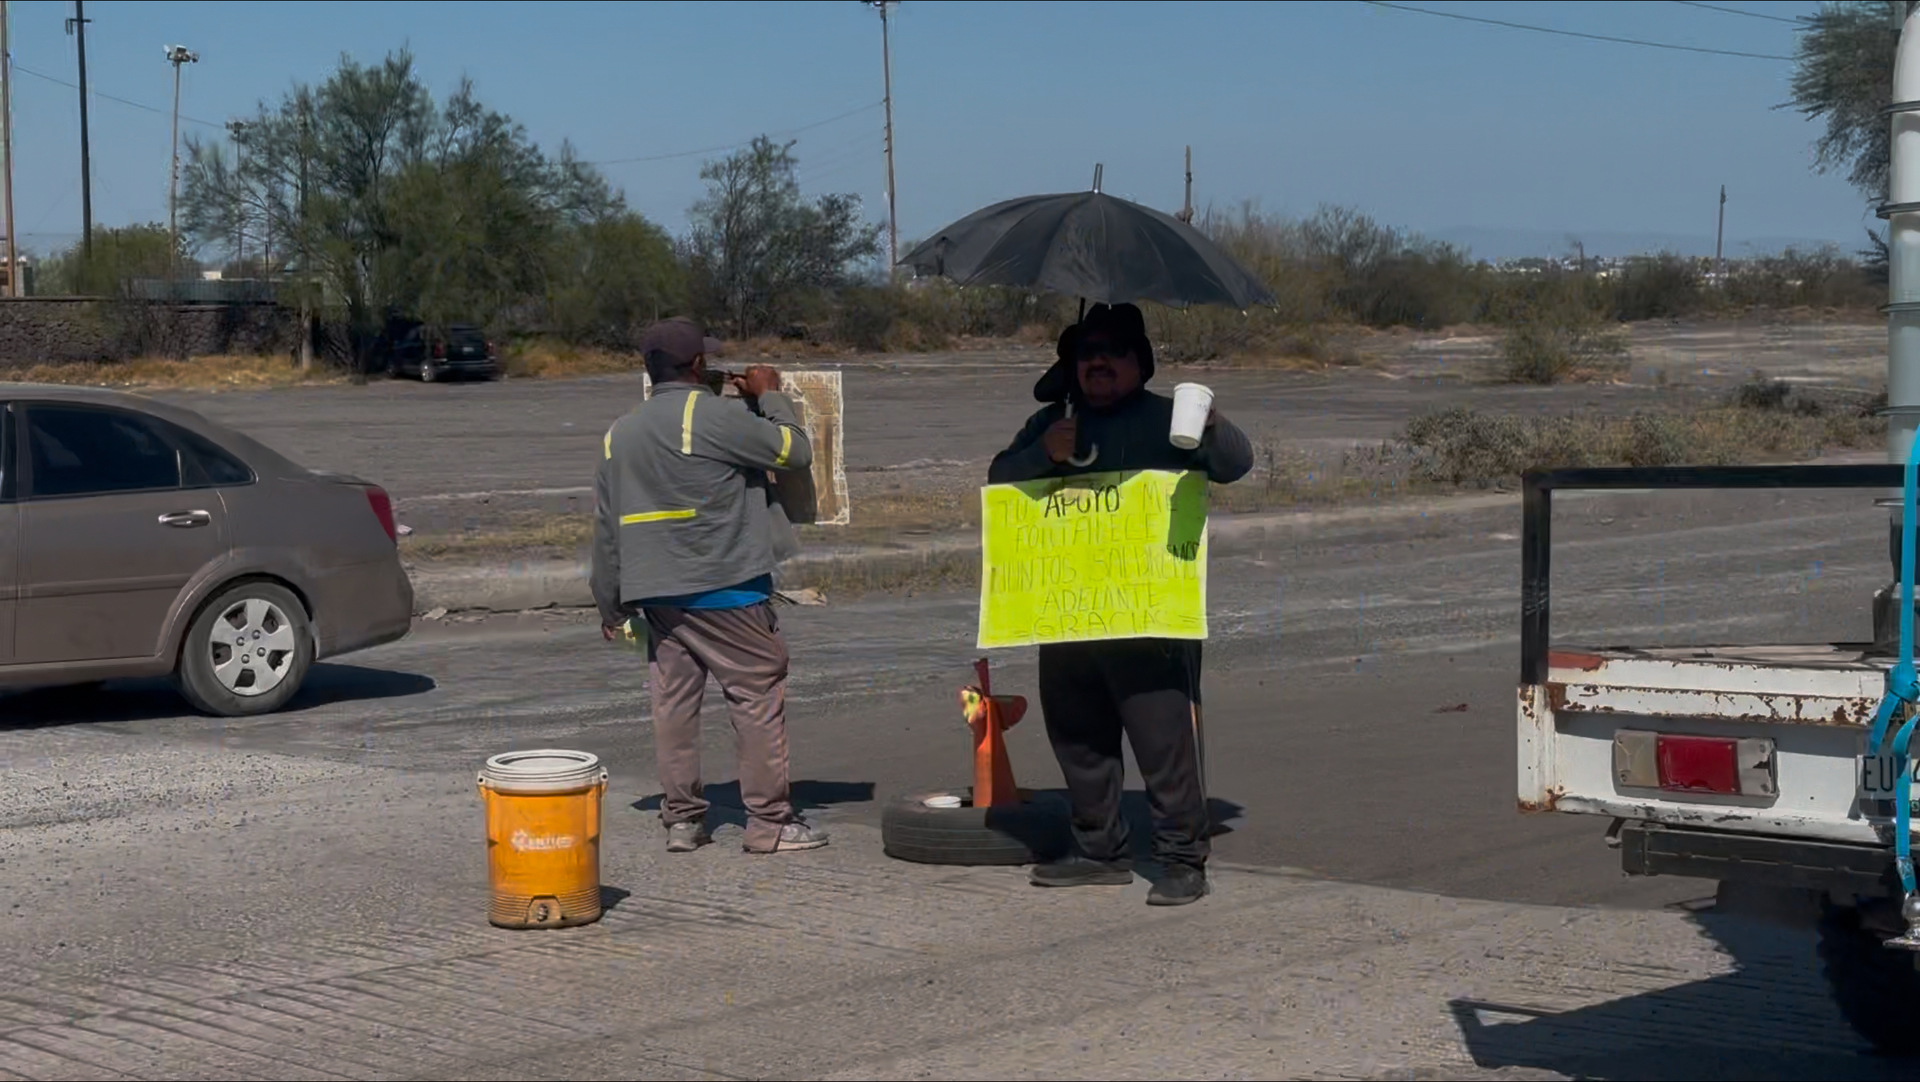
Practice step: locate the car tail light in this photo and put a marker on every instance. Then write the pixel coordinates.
(1686, 763)
(489, 349)
(439, 349)
(383, 510)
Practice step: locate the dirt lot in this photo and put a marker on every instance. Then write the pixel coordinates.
(475, 468)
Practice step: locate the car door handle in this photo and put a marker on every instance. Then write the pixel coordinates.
(186, 519)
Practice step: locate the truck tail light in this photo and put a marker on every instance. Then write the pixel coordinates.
(1687, 763)
(1698, 764)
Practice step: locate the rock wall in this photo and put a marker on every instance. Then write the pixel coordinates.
(63, 330)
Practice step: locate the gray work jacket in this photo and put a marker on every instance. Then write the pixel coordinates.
(682, 503)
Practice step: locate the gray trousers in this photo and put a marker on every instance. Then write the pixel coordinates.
(745, 653)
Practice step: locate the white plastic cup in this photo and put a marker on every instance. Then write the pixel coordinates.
(1191, 404)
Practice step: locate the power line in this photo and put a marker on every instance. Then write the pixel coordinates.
(123, 101)
(737, 144)
(1573, 33)
(1737, 11)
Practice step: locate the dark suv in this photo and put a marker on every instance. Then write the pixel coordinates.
(418, 351)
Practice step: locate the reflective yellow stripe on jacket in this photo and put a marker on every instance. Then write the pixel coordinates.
(655, 516)
(686, 424)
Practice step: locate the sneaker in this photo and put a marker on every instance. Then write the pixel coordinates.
(686, 837)
(1180, 884)
(794, 837)
(1078, 871)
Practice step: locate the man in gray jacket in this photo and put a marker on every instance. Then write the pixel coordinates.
(684, 531)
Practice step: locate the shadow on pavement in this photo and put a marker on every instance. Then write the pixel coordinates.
(1227, 816)
(1771, 1018)
(611, 897)
(727, 809)
(142, 700)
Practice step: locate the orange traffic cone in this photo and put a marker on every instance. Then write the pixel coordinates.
(990, 716)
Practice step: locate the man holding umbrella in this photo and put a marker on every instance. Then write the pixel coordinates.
(1147, 689)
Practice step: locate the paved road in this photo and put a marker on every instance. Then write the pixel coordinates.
(303, 896)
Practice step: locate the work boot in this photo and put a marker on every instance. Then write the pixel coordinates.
(794, 837)
(686, 837)
(1079, 871)
(1180, 884)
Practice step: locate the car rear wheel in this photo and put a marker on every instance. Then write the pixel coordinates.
(246, 652)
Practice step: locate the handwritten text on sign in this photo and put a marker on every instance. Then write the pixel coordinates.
(1100, 556)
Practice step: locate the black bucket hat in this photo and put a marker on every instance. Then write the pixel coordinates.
(1120, 322)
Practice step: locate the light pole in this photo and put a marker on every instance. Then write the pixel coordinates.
(886, 69)
(176, 55)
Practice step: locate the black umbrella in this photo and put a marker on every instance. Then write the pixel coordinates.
(1092, 246)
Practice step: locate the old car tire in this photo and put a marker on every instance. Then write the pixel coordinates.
(268, 628)
(1033, 831)
(1876, 987)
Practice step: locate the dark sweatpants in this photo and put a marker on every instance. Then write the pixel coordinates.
(1148, 689)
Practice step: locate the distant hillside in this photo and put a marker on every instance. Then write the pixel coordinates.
(1497, 244)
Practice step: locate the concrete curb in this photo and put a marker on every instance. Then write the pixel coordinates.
(520, 585)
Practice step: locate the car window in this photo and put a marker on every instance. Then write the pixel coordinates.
(80, 450)
(208, 463)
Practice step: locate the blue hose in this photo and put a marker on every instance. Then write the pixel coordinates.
(1903, 687)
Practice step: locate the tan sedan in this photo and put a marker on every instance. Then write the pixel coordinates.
(141, 539)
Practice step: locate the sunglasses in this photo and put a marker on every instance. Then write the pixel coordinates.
(1090, 349)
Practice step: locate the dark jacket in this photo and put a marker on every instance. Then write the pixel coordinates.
(1130, 436)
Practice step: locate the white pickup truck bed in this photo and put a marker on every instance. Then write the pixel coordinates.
(1810, 706)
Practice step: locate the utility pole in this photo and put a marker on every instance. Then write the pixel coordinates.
(176, 55)
(886, 68)
(77, 26)
(1186, 205)
(6, 143)
(1719, 264)
(303, 229)
(238, 130)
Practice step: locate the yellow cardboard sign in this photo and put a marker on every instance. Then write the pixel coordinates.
(1100, 556)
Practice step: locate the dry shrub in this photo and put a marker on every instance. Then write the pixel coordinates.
(1466, 448)
(200, 373)
(550, 359)
(1546, 349)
